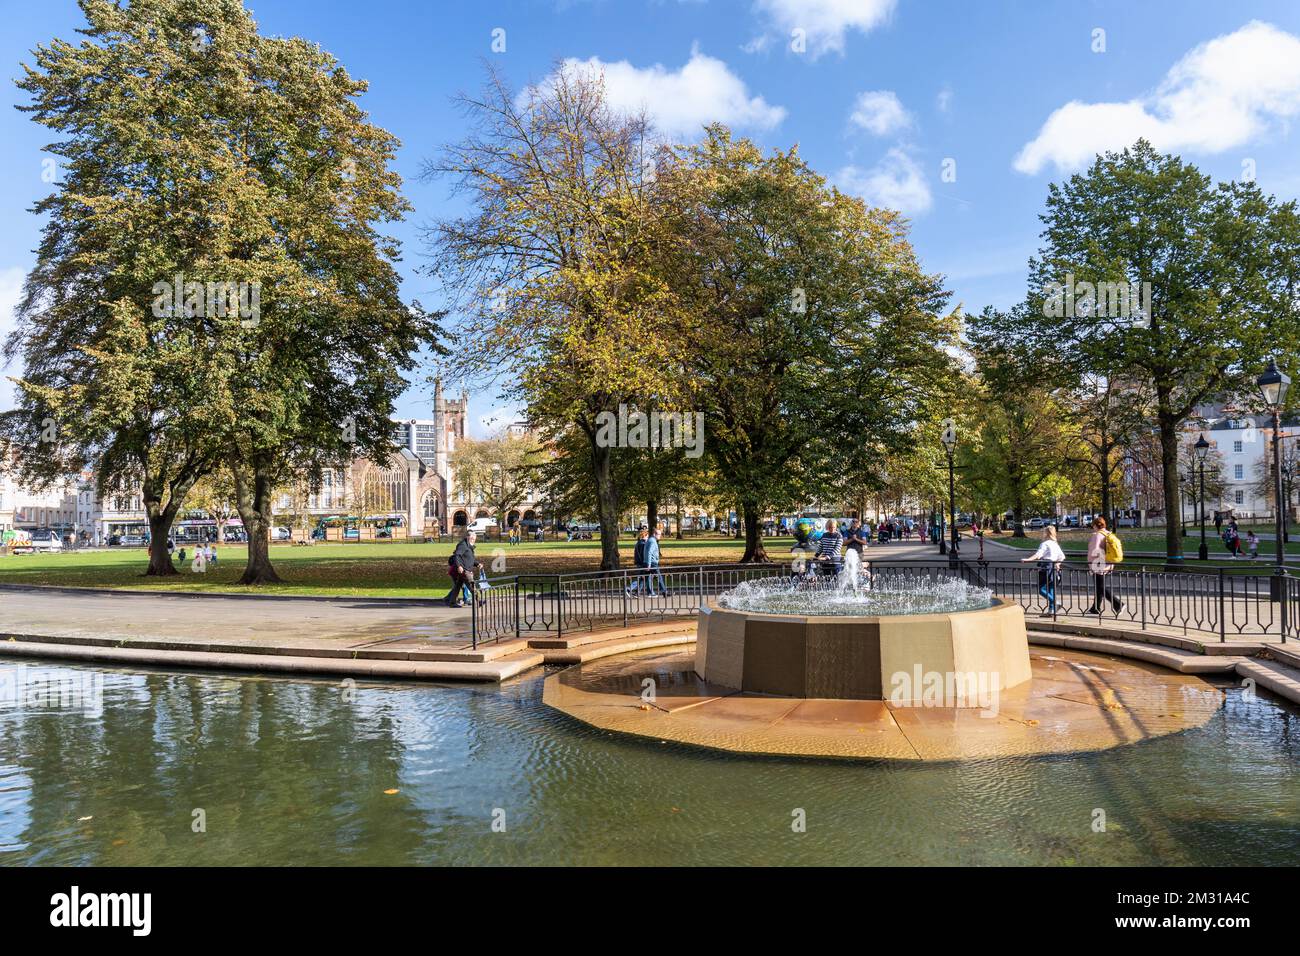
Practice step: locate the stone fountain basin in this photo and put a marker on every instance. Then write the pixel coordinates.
(861, 658)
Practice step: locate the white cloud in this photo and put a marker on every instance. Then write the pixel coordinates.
(11, 287)
(896, 182)
(681, 102)
(491, 423)
(943, 101)
(880, 112)
(1217, 97)
(824, 22)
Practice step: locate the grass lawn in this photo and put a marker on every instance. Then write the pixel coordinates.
(396, 569)
(1151, 541)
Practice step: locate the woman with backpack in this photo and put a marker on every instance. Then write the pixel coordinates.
(1049, 557)
(1102, 553)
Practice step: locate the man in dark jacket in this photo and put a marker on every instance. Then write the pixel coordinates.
(461, 567)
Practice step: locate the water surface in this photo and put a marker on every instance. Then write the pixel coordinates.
(296, 772)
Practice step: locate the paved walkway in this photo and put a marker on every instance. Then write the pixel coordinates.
(230, 620)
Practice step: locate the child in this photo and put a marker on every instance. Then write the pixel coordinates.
(1252, 542)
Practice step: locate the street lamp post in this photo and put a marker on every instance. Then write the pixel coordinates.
(949, 439)
(1273, 385)
(1287, 476)
(1202, 450)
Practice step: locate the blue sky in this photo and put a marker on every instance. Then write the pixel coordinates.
(882, 96)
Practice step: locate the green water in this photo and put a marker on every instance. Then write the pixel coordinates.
(295, 772)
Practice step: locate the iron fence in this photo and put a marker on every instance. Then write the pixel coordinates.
(1214, 603)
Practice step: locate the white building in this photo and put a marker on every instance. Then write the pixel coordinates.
(1245, 446)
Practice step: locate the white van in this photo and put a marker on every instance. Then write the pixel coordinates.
(29, 542)
(481, 525)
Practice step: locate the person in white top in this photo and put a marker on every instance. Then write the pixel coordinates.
(1049, 557)
(1100, 568)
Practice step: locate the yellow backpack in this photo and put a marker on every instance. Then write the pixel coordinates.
(1114, 549)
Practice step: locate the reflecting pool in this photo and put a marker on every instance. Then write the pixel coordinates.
(274, 771)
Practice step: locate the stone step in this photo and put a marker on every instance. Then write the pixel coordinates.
(452, 652)
(1184, 662)
(1281, 680)
(1288, 653)
(495, 670)
(591, 652)
(583, 638)
(1101, 629)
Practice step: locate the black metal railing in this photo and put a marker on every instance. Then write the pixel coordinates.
(1213, 603)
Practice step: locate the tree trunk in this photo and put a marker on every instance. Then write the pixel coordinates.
(1106, 509)
(1169, 465)
(651, 513)
(253, 499)
(754, 551)
(606, 503)
(679, 519)
(160, 528)
(162, 515)
(1018, 516)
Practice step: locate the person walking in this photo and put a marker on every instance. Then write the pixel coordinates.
(1100, 568)
(652, 555)
(639, 558)
(1049, 557)
(1252, 543)
(460, 567)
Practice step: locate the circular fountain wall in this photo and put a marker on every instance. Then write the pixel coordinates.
(898, 640)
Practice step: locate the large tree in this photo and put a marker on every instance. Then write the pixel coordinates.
(1215, 273)
(212, 285)
(107, 379)
(556, 266)
(817, 343)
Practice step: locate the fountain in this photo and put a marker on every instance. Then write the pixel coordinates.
(890, 637)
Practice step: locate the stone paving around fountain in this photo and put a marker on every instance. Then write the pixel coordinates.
(1075, 702)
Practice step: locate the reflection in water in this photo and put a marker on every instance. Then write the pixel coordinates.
(295, 772)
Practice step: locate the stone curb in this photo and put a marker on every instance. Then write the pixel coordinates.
(226, 596)
(484, 653)
(1282, 679)
(488, 671)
